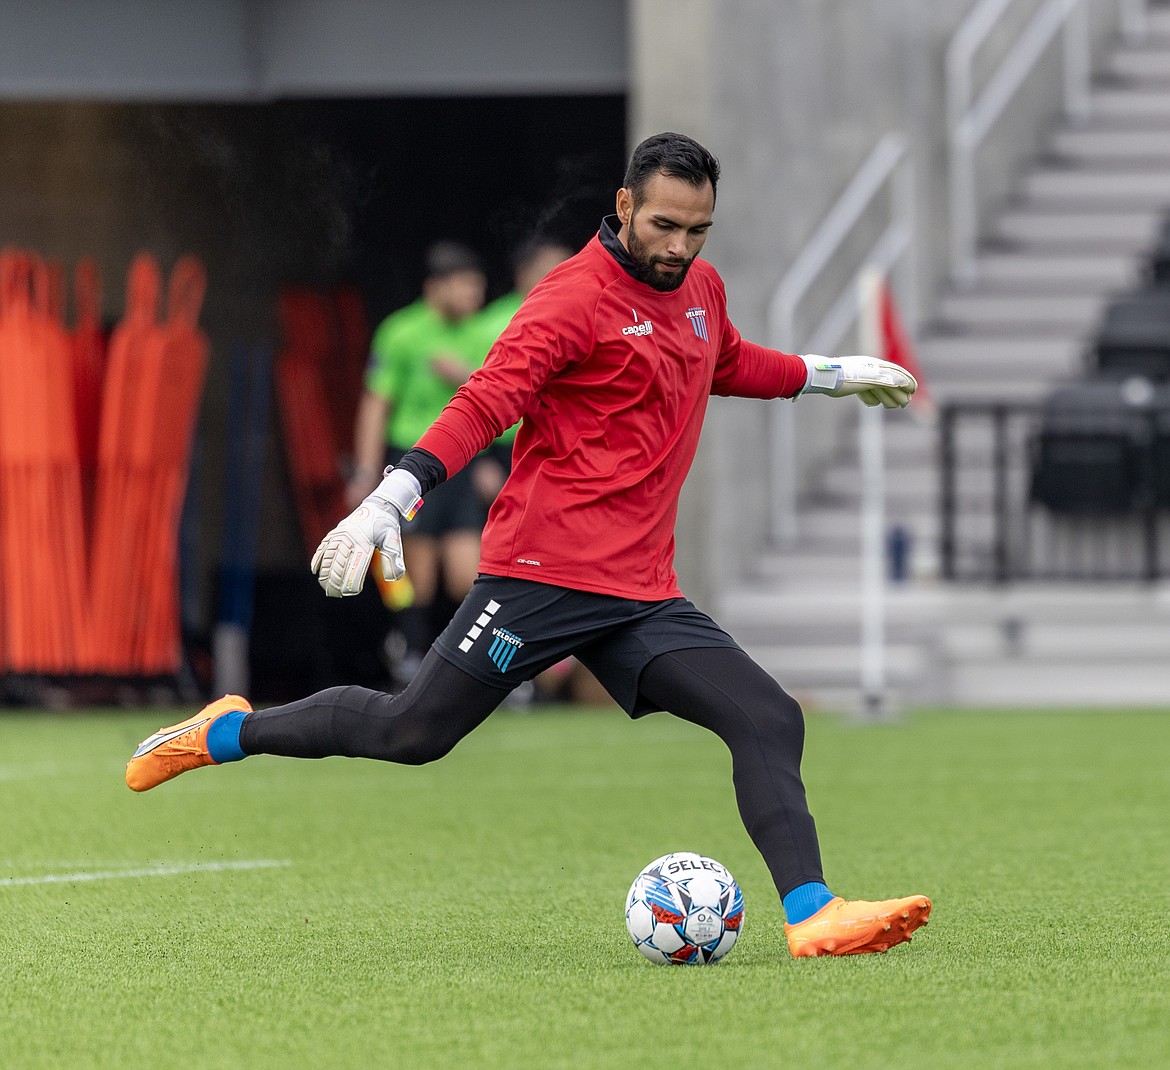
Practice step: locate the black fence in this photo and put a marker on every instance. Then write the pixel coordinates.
(1076, 488)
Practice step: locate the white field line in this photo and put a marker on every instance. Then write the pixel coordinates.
(165, 870)
(25, 770)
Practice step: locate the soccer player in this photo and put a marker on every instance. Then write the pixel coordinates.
(609, 362)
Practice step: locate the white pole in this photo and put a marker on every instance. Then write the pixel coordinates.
(873, 521)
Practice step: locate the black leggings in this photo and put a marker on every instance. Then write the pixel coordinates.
(719, 688)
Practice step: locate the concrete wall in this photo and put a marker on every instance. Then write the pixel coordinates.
(792, 95)
(260, 49)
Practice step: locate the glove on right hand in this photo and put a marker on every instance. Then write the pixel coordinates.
(343, 558)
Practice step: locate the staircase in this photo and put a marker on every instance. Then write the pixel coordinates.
(1076, 233)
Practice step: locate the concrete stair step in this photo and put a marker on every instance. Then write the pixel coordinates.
(1018, 313)
(1136, 188)
(828, 603)
(1101, 604)
(837, 634)
(801, 667)
(1107, 146)
(1058, 682)
(1131, 231)
(898, 454)
(814, 562)
(840, 530)
(931, 605)
(959, 359)
(910, 439)
(1130, 105)
(1158, 22)
(843, 483)
(1140, 64)
(1103, 272)
(991, 389)
(850, 701)
(1057, 640)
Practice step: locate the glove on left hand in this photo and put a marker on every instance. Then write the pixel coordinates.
(876, 382)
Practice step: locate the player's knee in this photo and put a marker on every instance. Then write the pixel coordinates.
(413, 734)
(783, 722)
(417, 748)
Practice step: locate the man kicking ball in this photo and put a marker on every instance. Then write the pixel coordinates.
(609, 364)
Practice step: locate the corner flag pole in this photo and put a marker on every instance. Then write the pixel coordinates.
(873, 520)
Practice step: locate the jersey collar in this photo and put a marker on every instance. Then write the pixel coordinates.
(613, 245)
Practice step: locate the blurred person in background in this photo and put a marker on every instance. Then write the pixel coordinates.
(610, 361)
(419, 356)
(530, 263)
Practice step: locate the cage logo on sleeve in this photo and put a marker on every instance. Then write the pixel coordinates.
(481, 622)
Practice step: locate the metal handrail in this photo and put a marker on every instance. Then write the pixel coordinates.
(969, 121)
(886, 168)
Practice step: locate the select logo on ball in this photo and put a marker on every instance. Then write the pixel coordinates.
(684, 909)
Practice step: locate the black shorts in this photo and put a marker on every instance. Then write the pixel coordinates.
(509, 630)
(454, 505)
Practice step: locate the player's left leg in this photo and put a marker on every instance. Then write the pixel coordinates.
(439, 707)
(723, 690)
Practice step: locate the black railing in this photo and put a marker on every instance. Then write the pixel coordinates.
(1027, 493)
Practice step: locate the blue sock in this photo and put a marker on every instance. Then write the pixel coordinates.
(223, 738)
(805, 900)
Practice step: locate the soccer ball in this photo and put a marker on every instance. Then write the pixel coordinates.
(685, 909)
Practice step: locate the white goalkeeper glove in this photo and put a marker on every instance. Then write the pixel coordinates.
(343, 558)
(876, 382)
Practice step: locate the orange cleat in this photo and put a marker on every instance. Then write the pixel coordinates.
(855, 927)
(179, 747)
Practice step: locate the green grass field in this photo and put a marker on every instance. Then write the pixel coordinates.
(469, 914)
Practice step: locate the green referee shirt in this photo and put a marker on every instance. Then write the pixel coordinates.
(489, 323)
(493, 318)
(401, 352)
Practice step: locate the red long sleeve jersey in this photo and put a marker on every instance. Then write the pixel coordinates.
(612, 379)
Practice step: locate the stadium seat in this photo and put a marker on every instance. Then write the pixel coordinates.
(1134, 337)
(1160, 448)
(1161, 258)
(1090, 455)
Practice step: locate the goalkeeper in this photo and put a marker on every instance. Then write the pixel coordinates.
(608, 364)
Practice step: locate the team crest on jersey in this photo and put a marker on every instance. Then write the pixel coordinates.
(698, 318)
(504, 648)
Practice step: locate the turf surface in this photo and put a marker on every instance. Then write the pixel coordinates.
(348, 914)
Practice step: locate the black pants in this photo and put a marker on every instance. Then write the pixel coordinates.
(720, 688)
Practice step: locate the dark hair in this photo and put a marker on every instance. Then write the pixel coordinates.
(448, 257)
(671, 154)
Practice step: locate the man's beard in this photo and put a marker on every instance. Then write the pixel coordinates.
(645, 269)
